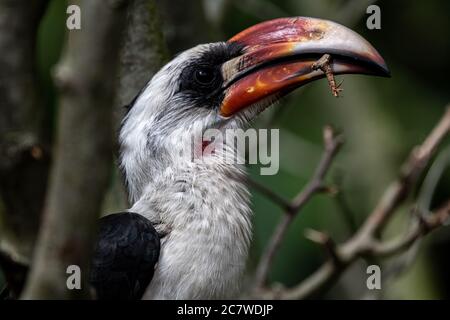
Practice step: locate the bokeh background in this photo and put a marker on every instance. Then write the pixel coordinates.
(380, 118)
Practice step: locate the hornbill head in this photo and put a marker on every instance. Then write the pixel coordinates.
(201, 215)
(226, 84)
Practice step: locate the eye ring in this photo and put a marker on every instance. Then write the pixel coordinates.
(204, 76)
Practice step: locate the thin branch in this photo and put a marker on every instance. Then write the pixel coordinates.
(399, 189)
(316, 185)
(324, 64)
(365, 242)
(432, 179)
(268, 193)
(326, 242)
(86, 79)
(408, 252)
(423, 225)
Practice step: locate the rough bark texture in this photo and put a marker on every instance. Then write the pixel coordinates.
(24, 157)
(143, 52)
(86, 79)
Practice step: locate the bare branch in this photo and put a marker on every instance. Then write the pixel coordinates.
(268, 193)
(399, 189)
(316, 185)
(432, 179)
(326, 242)
(365, 242)
(86, 79)
(423, 225)
(408, 253)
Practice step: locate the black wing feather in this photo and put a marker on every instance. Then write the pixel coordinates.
(125, 255)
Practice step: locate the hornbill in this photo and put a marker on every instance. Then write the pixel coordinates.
(188, 231)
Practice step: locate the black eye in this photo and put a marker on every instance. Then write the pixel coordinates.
(201, 79)
(204, 76)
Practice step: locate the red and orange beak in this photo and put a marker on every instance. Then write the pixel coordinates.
(278, 56)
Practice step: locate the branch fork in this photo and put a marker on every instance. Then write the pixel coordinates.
(366, 242)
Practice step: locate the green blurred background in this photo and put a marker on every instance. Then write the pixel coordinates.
(380, 118)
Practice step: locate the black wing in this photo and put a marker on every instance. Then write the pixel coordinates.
(125, 255)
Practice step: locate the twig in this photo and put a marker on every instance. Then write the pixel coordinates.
(316, 185)
(422, 209)
(432, 179)
(365, 242)
(326, 242)
(399, 189)
(269, 193)
(424, 225)
(324, 64)
(348, 16)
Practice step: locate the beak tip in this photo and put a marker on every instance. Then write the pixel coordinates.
(384, 71)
